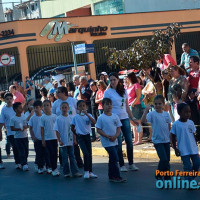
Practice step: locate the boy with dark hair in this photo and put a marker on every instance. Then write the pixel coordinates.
(35, 131)
(18, 124)
(7, 113)
(109, 127)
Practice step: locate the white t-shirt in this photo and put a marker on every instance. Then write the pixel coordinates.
(118, 102)
(48, 86)
(184, 132)
(6, 114)
(109, 125)
(160, 125)
(34, 122)
(19, 122)
(72, 106)
(63, 126)
(82, 124)
(47, 122)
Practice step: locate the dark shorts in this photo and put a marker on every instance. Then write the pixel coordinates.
(137, 111)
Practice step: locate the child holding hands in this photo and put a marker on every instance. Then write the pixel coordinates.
(109, 127)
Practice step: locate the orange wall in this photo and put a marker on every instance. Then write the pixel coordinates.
(37, 25)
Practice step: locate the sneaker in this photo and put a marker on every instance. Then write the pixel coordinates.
(18, 166)
(67, 175)
(2, 166)
(44, 169)
(49, 170)
(93, 175)
(55, 172)
(25, 168)
(117, 180)
(133, 167)
(40, 171)
(86, 175)
(123, 169)
(36, 167)
(8, 156)
(77, 174)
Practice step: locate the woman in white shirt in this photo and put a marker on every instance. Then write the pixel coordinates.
(119, 97)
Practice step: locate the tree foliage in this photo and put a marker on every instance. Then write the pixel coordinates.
(143, 52)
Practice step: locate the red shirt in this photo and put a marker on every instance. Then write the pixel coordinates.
(100, 95)
(132, 94)
(194, 79)
(167, 58)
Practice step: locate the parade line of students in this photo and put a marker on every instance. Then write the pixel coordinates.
(49, 130)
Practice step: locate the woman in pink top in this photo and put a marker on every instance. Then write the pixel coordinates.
(100, 93)
(134, 94)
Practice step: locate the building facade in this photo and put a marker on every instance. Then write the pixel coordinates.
(2, 19)
(25, 10)
(68, 8)
(39, 43)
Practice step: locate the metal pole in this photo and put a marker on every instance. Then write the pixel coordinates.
(6, 76)
(74, 57)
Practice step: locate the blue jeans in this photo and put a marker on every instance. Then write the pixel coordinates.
(86, 147)
(187, 165)
(113, 169)
(163, 151)
(67, 152)
(126, 131)
(22, 147)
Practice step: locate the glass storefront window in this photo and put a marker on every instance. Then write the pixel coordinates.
(109, 7)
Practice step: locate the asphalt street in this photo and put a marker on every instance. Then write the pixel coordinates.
(19, 185)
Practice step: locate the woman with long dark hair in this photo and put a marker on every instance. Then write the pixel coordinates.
(134, 94)
(117, 93)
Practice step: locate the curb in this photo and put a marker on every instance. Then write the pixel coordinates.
(142, 154)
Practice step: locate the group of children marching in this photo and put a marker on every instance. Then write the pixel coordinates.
(182, 135)
(49, 130)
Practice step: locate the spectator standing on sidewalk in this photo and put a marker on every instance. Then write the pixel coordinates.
(76, 84)
(17, 96)
(187, 53)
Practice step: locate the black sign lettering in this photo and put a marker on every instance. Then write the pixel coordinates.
(7, 33)
(94, 31)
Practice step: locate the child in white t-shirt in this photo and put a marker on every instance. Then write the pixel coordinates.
(18, 124)
(7, 113)
(30, 111)
(81, 127)
(35, 131)
(183, 131)
(109, 127)
(160, 122)
(49, 138)
(65, 139)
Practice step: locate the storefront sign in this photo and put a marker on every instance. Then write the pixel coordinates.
(94, 31)
(83, 48)
(59, 28)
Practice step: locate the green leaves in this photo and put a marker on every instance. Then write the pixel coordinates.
(144, 52)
